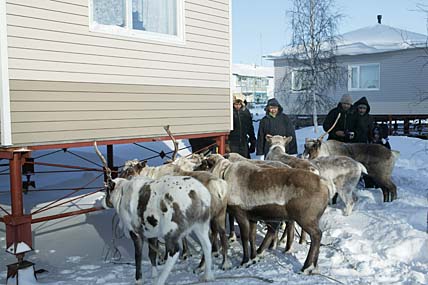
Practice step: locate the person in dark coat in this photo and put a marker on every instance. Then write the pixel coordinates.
(203, 145)
(243, 130)
(364, 121)
(344, 130)
(379, 138)
(275, 122)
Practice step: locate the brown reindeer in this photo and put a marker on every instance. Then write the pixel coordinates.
(378, 160)
(273, 194)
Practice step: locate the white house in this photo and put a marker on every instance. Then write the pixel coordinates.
(255, 82)
(385, 64)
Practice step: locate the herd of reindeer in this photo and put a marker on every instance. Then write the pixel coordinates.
(195, 194)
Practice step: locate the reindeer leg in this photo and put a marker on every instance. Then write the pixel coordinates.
(185, 249)
(138, 248)
(202, 232)
(268, 238)
(173, 250)
(252, 236)
(312, 228)
(153, 253)
(289, 230)
(232, 234)
(221, 228)
(244, 226)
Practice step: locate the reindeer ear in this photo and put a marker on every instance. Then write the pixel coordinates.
(268, 137)
(288, 140)
(226, 155)
(110, 186)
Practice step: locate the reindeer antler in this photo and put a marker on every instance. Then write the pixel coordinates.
(103, 160)
(168, 131)
(329, 130)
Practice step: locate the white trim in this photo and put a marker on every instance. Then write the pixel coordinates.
(6, 127)
(293, 79)
(179, 39)
(358, 65)
(230, 66)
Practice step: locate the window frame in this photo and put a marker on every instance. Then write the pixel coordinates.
(127, 31)
(358, 66)
(293, 79)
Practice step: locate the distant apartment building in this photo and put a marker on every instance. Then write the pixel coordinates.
(255, 82)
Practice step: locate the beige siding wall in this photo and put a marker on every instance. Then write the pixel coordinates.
(70, 84)
(41, 114)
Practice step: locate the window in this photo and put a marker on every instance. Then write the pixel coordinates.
(151, 19)
(299, 80)
(364, 77)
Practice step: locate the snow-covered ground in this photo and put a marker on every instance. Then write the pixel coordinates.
(379, 243)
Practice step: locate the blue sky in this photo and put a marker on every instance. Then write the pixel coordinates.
(262, 26)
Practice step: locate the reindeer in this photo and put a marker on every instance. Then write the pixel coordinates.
(273, 194)
(216, 186)
(168, 208)
(183, 166)
(277, 146)
(378, 160)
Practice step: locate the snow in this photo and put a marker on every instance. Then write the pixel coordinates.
(368, 40)
(379, 243)
(252, 70)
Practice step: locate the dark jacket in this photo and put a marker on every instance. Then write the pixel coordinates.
(242, 133)
(280, 125)
(364, 123)
(380, 137)
(346, 123)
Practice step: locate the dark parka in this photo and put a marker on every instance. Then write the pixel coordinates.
(364, 124)
(346, 123)
(280, 125)
(242, 133)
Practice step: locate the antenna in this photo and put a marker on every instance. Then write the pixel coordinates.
(261, 50)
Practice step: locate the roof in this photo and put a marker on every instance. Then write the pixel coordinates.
(252, 70)
(372, 39)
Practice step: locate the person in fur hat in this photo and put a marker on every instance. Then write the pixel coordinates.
(275, 122)
(243, 130)
(344, 130)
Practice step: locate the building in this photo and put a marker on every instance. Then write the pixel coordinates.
(255, 82)
(385, 64)
(77, 71)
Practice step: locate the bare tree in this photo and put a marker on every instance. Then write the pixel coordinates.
(313, 72)
(423, 8)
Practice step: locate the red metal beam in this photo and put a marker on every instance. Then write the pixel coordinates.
(64, 215)
(124, 141)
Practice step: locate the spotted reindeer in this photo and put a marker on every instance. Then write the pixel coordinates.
(167, 208)
(216, 186)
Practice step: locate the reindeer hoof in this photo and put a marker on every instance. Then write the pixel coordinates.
(207, 277)
(226, 266)
(232, 237)
(310, 270)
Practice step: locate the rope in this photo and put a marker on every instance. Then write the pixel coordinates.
(46, 154)
(47, 207)
(85, 159)
(4, 210)
(116, 255)
(266, 280)
(328, 277)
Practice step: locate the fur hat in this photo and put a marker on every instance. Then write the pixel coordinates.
(346, 98)
(238, 97)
